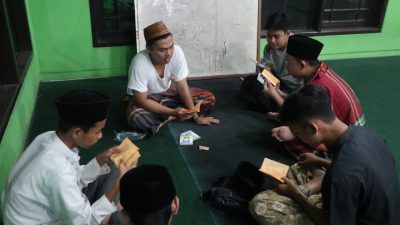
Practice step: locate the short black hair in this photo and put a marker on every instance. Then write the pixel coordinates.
(313, 62)
(150, 42)
(160, 217)
(64, 126)
(278, 21)
(310, 102)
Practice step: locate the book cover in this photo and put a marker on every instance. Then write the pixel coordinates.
(267, 75)
(129, 153)
(196, 108)
(274, 169)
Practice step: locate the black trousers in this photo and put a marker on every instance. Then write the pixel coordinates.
(251, 93)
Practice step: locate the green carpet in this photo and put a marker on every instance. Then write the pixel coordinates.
(160, 149)
(242, 134)
(376, 82)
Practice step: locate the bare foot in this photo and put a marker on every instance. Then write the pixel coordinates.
(283, 133)
(273, 116)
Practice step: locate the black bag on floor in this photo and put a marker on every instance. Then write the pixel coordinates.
(233, 193)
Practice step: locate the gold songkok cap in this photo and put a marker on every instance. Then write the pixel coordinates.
(155, 30)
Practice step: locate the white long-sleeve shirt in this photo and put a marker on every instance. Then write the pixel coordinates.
(45, 186)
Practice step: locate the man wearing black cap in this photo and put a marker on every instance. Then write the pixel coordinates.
(302, 62)
(148, 195)
(45, 185)
(157, 85)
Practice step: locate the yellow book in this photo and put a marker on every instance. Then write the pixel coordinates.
(196, 108)
(129, 153)
(274, 169)
(270, 77)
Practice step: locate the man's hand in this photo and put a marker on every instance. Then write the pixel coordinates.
(309, 159)
(283, 133)
(280, 92)
(288, 188)
(104, 157)
(273, 116)
(200, 120)
(181, 113)
(269, 89)
(122, 168)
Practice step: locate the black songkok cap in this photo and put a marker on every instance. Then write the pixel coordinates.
(83, 107)
(303, 47)
(146, 189)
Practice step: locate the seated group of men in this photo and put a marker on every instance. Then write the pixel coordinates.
(358, 186)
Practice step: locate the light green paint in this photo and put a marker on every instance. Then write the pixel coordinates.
(63, 36)
(385, 43)
(15, 135)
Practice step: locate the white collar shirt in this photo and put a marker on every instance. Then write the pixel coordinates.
(45, 186)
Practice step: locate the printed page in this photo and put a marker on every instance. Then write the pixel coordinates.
(274, 169)
(129, 153)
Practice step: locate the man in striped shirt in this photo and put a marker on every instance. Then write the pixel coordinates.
(302, 62)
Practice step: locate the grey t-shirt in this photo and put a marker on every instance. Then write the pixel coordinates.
(276, 58)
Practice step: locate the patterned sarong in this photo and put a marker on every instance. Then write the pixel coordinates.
(142, 120)
(269, 207)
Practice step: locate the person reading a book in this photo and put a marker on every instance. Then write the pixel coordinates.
(157, 85)
(48, 185)
(302, 62)
(260, 96)
(360, 186)
(148, 196)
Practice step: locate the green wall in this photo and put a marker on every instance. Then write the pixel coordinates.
(13, 141)
(385, 43)
(63, 39)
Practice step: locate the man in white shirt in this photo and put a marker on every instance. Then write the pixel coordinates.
(157, 85)
(45, 185)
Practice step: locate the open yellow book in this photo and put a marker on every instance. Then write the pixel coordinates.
(274, 169)
(196, 108)
(270, 77)
(129, 153)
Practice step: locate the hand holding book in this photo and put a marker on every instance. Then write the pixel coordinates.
(196, 108)
(267, 75)
(274, 169)
(129, 153)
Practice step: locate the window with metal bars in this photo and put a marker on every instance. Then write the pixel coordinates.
(329, 16)
(113, 22)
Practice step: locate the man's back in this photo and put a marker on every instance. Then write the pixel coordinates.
(344, 101)
(361, 186)
(44, 187)
(25, 198)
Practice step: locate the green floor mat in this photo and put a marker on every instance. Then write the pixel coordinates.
(242, 135)
(376, 82)
(160, 149)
